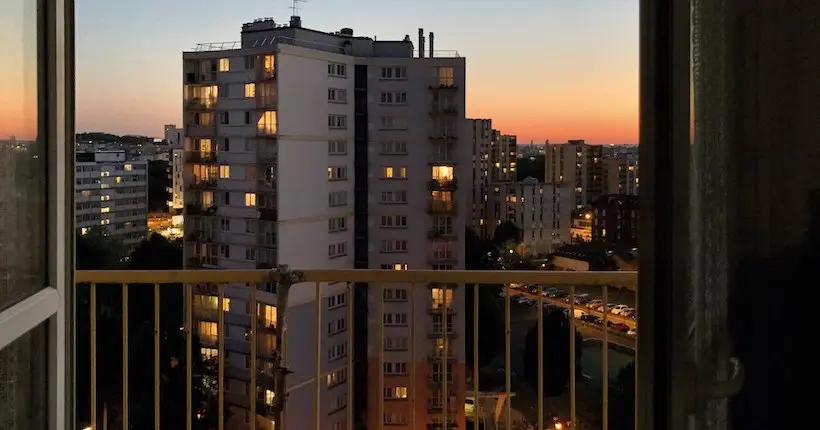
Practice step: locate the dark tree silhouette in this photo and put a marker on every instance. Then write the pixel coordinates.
(482, 255)
(158, 183)
(155, 253)
(531, 167)
(622, 399)
(506, 232)
(556, 341)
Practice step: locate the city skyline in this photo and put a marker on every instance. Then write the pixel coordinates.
(583, 85)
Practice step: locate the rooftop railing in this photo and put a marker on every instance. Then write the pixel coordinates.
(545, 372)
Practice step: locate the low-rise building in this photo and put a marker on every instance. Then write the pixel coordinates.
(111, 191)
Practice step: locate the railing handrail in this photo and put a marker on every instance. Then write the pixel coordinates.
(624, 279)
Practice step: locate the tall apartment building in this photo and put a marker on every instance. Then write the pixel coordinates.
(579, 165)
(621, 175)
(330, 151)
(111, 191)
(543, 213)
(494, 163)
(174, 135)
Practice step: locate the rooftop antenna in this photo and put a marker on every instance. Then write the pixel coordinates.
(295, 6)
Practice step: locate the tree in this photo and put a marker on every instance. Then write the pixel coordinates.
(506, 232)
(99, 250)
(622, 399)
(158, 184)
(155, 253)
(531, 167)
(482, 255)
(556, 364)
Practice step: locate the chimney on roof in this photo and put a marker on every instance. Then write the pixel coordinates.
(421, 43)
(296, 21)
(431, 45)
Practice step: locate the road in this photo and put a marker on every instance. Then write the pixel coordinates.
(610, 316)
(522, 318)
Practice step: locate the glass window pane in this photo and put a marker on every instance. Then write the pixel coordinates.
(23, 379)
(22, 157)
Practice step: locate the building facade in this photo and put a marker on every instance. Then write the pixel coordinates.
(615, 220)
(577, 164)
(494, 163)
(111, 192)
(621, 175)
(543, 213)
(330, 151)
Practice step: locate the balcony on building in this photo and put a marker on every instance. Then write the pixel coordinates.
(265, 67)
(443, 109)
(441, 204)
(442, 184)
(202, 157)
(202, 183)
(266, 125)
(268, 214)
(202, 127)
(445, 83)
(442, 233)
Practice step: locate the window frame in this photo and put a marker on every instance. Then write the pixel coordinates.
(55, 95)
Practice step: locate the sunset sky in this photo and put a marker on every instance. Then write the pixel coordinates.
(541, 69)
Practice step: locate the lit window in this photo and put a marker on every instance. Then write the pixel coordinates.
(225, 172)
(224, 65)
(443, 173)
(105, 210)
(394, 172)
(269, 396)
(128, 167)
(250, 90)
(250, 199)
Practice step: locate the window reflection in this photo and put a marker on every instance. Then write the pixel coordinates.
(22, 213)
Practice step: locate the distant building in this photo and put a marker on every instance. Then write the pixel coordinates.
(581, 230)
(621, 175)
(174, 136)
(325, 150)
(615, 219)
(577, 164)
(541, 211)
(111, 191)
(494, 163)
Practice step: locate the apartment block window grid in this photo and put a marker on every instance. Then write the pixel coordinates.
(394, 73)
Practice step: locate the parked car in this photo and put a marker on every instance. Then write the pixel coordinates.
(620, 327)
(592, 319)
(593, 304)
(619, 309)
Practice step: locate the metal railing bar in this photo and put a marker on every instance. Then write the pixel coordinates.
(93, 342)
(540, 357)
(125, 356)
(572, 346)
(508, 355)
(156, 358)
(350, 357)
(380, 367)
(254, 394)
(189, 333)
(220, 330)
(412, 299)
(476, 399)
(619, 279)
(445, 394)
(605, 363)
(318, 370)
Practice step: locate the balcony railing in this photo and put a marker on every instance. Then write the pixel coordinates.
(441, 207)
(443, 83)
(441, 109)
(295, 365)
(442, 184)
(201, 103)
(202, 184)
(200, 157)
